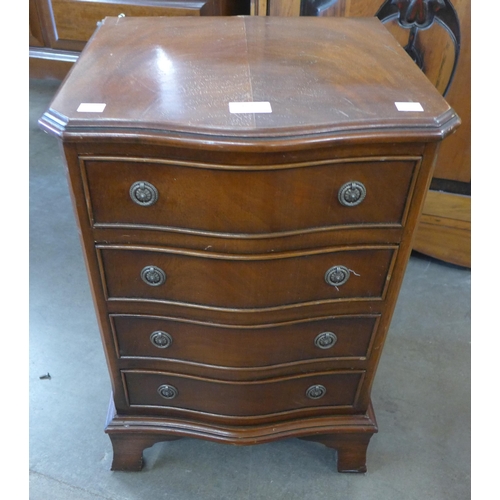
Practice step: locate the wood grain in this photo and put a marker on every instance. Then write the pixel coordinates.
(241, 400)
(244, 346)
(285, 8)
(444, 230)
(140, 73)
(190, 195)
(224, 281)
(454, 159)
(247, 220)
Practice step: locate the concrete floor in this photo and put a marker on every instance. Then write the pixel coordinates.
(421, 393)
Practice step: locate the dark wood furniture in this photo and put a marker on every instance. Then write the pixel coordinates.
(245, 265)
(437, 33)
(59, 29)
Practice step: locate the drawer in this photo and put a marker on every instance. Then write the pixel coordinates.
(286, 394)
(243, 346)
(76, 20)
(248, 201)
(244, 281)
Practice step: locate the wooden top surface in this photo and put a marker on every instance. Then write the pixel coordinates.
(178, 75)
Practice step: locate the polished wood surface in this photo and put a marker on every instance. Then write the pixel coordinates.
(247, 224)
(73, 22)
(287, 8)
(361, 8)
(73, 36)
(284, 8)
(438, 49)
(248, 403)
(240, 346)
(186, 206)
(347, 434)
(35, 33)
(227, 281)
(359, 98)
(436, 46)
(454, 160)
(446, 217)
(60, 29)
(443, 237)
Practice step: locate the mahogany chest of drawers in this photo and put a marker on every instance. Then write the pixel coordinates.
(247, 189)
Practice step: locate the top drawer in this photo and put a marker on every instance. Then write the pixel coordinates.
(255, 200)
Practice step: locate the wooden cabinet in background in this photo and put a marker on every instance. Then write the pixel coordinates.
(437, 34)
(59, 29)
(36, 36)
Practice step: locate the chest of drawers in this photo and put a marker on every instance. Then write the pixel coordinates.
(245, 263)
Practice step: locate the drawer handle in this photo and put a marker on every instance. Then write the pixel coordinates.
(153, 276)
(325, 340)
(316, 391)
(337, 275)
(160, 339)
(352, 193)
(168, 391)
(143, 193)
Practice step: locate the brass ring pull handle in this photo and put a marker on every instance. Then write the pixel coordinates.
(161, 339)
(352, 193)
(168, 391)
(153, 276)
(325, 340)
(337, 275)
(316, 391)
(143, 193)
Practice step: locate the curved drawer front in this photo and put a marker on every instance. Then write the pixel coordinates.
(244, 282)
(263, 200)
(242, 398)
(236, 346)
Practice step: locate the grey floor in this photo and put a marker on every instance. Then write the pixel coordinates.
(421, 393)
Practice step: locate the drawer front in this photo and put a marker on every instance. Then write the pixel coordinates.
(76, 20)
(242, 398)
(236, 346)
(247, 200)
(244, 282)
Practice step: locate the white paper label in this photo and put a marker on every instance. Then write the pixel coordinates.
(250, 107)
(91, 107)
(409, 106)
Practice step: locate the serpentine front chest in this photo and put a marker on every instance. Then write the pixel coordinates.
(247, 189)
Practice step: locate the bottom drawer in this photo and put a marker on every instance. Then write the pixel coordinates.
(242, 399)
